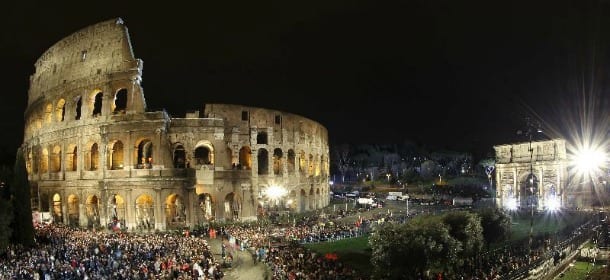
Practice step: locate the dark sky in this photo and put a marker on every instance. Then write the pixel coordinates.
(452, 74)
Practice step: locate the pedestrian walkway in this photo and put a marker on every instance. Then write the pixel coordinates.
(243, 266)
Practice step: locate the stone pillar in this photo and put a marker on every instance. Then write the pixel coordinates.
(159, 212)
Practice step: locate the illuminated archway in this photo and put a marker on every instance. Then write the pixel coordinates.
(145, 212)
(93, 212)
(57, 211)
(175, 211)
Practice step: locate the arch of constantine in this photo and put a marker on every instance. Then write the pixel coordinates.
(94, 154)
(535, 174)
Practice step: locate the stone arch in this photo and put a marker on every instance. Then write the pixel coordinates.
(291, 161)
(73, 210)
(291, 202)
(529, 191)
(175, 211)
(92, 158)
(145, 211)
(60, 110)
(318, 199)
(48, 113)
(303, 201)
(232, 207)
(116, 155)
(302, 162)
(263, 161)
(92, 208)
(204, 153)
(58, 216)
(144, 153)
(316, 163)
(72, 158)
(56, 159)
(29, 163)
(97, 99)
(119, 106)
(277, 161)
(44, 161)
(78, 108)
(324, 165)
(207, 205)
(116, 205)
(312, 199)
(179, 158)
(310, 169)
(245, 157)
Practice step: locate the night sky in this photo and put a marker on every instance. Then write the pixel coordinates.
(449, 74)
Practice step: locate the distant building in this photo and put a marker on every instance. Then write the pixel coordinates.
(95, 155)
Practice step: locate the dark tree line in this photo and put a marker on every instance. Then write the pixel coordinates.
(15, 205)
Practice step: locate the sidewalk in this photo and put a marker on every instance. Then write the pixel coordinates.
(243, 267)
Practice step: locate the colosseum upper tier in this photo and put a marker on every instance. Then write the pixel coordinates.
(96, 156)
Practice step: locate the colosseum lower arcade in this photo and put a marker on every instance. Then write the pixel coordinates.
(96, 156)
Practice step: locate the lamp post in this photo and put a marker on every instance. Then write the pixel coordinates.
(531, 128)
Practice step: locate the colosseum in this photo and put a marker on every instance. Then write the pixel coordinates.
(95, 155)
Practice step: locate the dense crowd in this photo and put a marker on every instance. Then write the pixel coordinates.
(69, 253)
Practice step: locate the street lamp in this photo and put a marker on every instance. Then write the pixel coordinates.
(531, 129)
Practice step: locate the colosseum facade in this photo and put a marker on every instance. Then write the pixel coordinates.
(95, 155)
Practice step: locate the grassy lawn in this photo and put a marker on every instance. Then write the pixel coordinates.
(544, 224)
(354, 252)
(583, 270)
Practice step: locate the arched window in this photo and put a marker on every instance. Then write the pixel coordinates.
(145, 154)
(116, 156)
(72, 158)
(97, 104)
(245, 158)
(179, 157)
(263, 162)
(94, 155)
(277, 161)
(203, 155)
(60, 110)
(56, 159)
(291, 161)
(48, 113)
(44, 161)
(79, 104)
(120, 102)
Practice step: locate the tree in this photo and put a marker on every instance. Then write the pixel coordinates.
(5, 224)
(466, 228)
(413, 249)
(23, 229)
(496, 225)
(6, 215)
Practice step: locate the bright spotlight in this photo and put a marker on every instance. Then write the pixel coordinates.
(275, 192)
(554, 204)
(511, 204)
(589, 160)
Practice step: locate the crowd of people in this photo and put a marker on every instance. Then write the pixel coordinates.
(68, 253)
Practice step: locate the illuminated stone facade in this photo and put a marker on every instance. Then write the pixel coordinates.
(549, 180)
(95, 155)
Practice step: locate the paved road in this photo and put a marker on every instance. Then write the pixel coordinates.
(243, 267)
